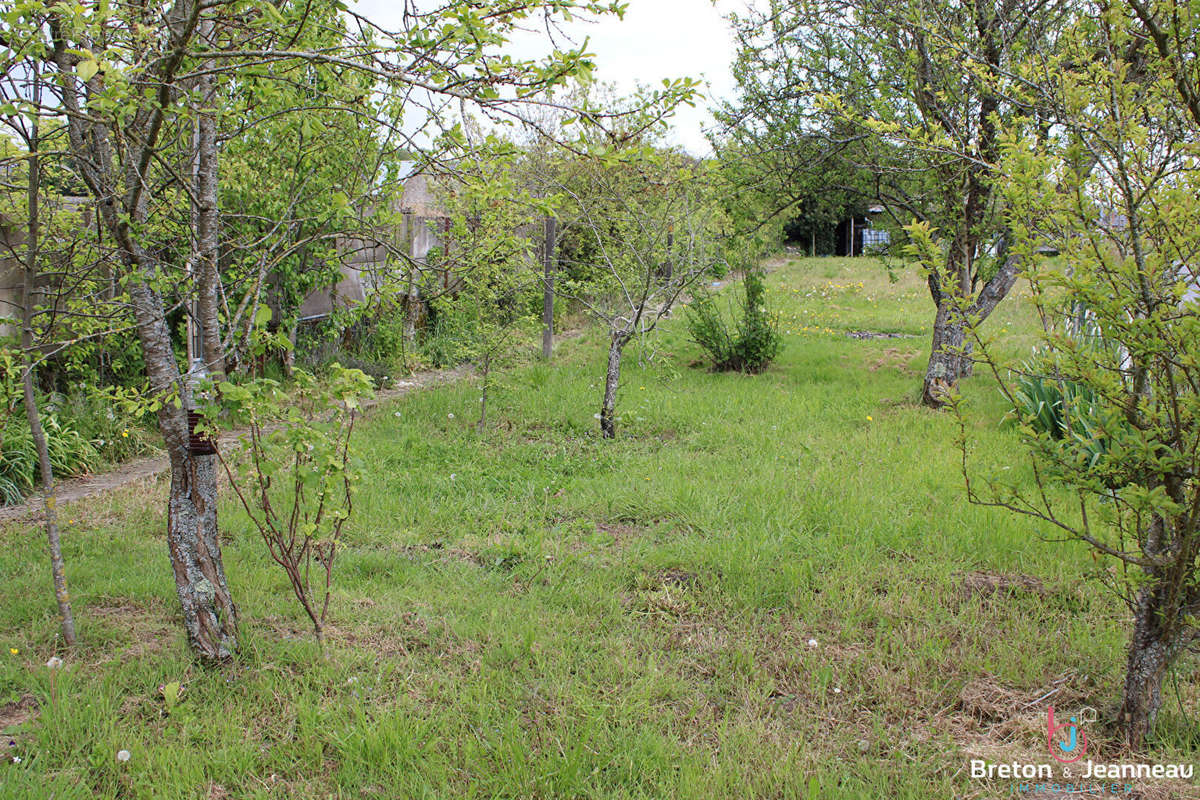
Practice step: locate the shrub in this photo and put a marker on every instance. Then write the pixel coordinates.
(445, 340)
(754, 341)
(373, 345)
(1068, 412)
(293, 473)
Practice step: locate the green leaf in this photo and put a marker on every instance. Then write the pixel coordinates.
(171, 694)
(86, 69)
(273, 12)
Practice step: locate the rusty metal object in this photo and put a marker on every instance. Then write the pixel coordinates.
(199, 444)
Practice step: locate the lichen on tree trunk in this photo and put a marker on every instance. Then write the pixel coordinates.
(946, 358)
(209, 614)
(612, 378)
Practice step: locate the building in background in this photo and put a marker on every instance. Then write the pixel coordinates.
(404, 249)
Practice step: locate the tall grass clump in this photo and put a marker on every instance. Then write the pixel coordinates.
(71, 453)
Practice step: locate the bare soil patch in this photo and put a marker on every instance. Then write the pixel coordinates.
(18, 713)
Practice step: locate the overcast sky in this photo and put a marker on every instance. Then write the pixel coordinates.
(657, 39)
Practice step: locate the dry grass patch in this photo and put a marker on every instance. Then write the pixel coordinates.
(892, 358)
(987, 584)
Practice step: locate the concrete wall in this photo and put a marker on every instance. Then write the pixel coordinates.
(365, 264)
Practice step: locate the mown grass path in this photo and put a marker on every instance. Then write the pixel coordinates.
(139, 470)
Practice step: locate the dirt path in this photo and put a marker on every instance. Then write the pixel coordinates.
(88, 486)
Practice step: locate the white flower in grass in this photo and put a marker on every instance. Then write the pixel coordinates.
(450, 415)
(396, 414)
(812, 642)
(123, 756)
(453, 475)
(16, 759)
(836, 690)
(54, 663)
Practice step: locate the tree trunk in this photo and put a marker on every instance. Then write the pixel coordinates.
(58, 570)
(208, 221)
(548, 289)
(192, 530)
(486, 367)
(950, 354)
(192, 538)
(412, 294)
(1146, 666)
(209, 614)
(288, 362)
(945, 357)
(669, 266)
(412, 309)
(612, 378)
(37, 433)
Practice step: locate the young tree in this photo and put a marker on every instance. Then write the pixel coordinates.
(48, 240)
(1113, 185)
(28, 287)
(30, 254)
(650, 222)
(492, 275)
(293, 473)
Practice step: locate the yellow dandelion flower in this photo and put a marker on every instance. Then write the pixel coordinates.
(16, 651)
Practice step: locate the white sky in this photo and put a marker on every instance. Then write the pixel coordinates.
(657, 39)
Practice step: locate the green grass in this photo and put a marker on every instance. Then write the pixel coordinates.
(535, 612)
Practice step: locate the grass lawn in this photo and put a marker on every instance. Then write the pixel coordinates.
(767, 586)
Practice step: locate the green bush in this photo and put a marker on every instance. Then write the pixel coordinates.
(754, 340)
(1068, 412)
(374, 345)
